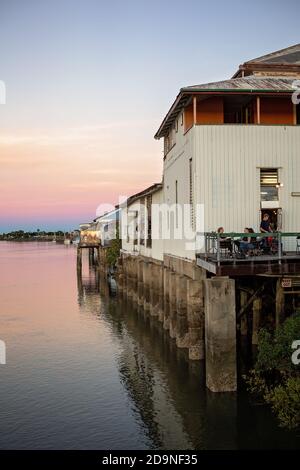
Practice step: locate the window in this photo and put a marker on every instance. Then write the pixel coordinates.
(136, 228)
(269, 184)
(182, 119)
(169, 141)
(142, 221)
(166, 145)
(149, 221)
(176, 125)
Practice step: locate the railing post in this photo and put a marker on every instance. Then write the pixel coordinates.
(205, 235)
(218, 249)
(279, 248)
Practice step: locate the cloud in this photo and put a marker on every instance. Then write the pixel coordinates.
(88, 133)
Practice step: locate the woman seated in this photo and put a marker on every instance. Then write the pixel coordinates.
(247, 243)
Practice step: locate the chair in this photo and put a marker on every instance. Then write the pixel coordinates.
(226, 247)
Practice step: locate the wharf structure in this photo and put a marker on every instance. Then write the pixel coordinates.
(231, 155)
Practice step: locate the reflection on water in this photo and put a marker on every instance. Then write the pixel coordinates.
(87, 370)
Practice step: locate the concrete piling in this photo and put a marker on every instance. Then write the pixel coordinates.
(146, 277)
(220, 334)
(140, 285)
(195, 315)
(182, 327)
(173, 304)
(166, 316)
(79, 259)
(244, 320)
(177, 294)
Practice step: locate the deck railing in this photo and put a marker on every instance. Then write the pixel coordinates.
(215, 244)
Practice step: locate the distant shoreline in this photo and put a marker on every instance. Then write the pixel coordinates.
(37, 239)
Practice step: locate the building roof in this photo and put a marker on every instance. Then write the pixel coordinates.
(146, 192)
(288, 55)
(109, 216)
(287, 59)
(249, 84)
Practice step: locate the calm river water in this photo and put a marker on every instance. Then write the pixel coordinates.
(85, 370)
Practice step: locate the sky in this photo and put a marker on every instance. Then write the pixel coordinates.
(88, 82)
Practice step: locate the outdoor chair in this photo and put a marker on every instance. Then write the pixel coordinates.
(226, 247)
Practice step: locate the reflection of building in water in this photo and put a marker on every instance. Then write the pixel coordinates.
(168, 392)
(88, 289)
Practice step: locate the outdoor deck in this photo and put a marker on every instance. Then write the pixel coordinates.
(227, 261)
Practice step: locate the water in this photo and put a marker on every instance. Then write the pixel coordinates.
(87, 371)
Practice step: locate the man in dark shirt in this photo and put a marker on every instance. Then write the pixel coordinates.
(265, 224)
(265, 227)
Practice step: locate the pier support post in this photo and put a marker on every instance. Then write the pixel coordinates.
(182, 327)
(79, 259)
(154, 279)
(128, 277)
(140, 288)
(125, 274)
(98, 251)
(173, 301)
(135, 280)
(220, 334)
(244, 319)
(146, 278)
(160, 293)
(195, 311)
(279, 302)
(91, 257)
(166, 319)
(120, 273)
(256, 320)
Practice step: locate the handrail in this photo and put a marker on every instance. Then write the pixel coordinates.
(250, 235)
(213, 241)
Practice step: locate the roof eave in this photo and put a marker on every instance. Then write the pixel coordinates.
(181, 93)
(260, 66)
(150, 190)
(188, 91)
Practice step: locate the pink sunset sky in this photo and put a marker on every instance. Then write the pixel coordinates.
(58, 177)
(88, 83)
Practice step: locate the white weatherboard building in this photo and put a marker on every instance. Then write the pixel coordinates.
(231, 154)
(106, 226)
(234, 147)
(137, 223)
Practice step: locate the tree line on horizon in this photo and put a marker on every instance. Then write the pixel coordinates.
(22, 234)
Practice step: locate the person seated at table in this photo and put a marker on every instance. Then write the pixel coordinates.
(225, 242)
(246, 243)
(253, 240)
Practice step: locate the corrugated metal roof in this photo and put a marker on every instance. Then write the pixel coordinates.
(288, 55)
(250, 83)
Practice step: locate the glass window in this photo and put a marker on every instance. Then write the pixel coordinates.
(269, 184)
